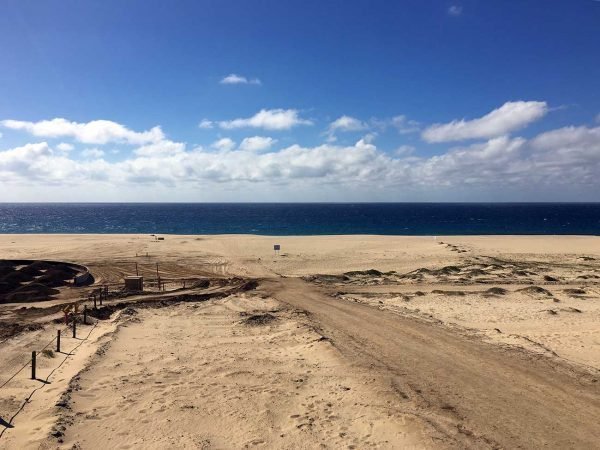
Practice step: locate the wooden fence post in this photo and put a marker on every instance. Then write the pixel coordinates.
(158, 276)
(85, 314)
(57, 341)
(74, 326)
(33, 365)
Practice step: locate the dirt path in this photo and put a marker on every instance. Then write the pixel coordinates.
(478, 394)
(212, 375)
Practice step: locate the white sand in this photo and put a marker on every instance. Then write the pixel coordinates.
(193, 376)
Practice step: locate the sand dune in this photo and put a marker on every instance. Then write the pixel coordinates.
(220, 365)
(202, 376)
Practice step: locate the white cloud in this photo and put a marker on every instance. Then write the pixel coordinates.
(569, 148)
(268, 119)
(509, 117)
(65, 147)
(455, 10)
(404, 125)
(38, 164)
(567, 137)
(92, 153)
(223, 145)
(369, 138)
(347, 123)
(344, 124)
(401, 123)
(239, 79)
(206, 124)
(19, 161)
(485, 163)
(94, 132)
(404, 150)
(164, 148)
(562, 160)
(257, 143)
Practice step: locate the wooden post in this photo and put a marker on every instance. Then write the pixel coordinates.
(57, 341)
(157, 276)
(100, 298)
(95, 306)
(74, 326)
(136, 270)
(33, 365)
(85, 314)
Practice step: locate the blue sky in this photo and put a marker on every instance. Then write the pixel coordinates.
(300, 100)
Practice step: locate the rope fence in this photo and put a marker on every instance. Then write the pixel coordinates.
(32, 362)
(95, 298)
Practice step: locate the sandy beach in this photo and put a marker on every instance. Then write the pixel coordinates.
(333, 342)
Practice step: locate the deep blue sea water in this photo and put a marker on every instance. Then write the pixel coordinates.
(303, 218)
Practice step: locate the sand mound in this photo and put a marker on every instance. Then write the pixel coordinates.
(574, 291)
(450, 293)
(259, 319)
(496, 291)
(370, 272)
(448, 270)
(324, 278)
(535, 290)
(477, 272)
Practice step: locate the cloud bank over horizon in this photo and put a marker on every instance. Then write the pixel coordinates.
(564, 159)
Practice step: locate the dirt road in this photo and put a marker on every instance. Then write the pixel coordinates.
(477, 394)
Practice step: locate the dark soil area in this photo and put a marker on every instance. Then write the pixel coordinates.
(27, 281)
(259, 319)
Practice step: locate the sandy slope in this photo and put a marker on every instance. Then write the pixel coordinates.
(196, 376)
(34, 418)
(478, 395)
(512, 368)
(561, 324)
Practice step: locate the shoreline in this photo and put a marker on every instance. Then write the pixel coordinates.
(150, 233)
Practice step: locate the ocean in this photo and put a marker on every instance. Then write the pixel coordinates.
(303, 218)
